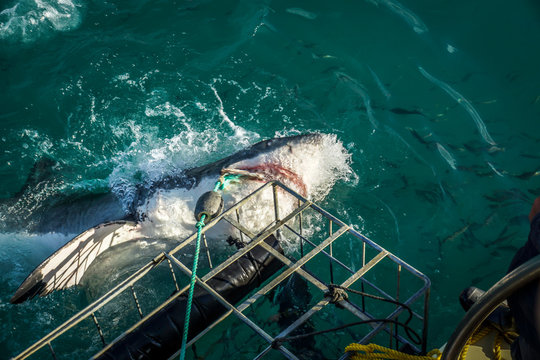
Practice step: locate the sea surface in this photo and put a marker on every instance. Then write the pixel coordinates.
(437, 103)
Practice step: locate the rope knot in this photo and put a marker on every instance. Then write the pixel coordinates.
(336, 294)
(200, 224)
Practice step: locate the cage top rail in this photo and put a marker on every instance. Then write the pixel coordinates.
(292, 266)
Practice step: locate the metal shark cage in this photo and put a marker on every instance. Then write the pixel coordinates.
(328, 252)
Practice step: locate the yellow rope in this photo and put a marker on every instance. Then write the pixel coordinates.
(479, 334)
(377, 352)
(497, 347)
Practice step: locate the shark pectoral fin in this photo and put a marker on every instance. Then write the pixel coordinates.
(67, 265)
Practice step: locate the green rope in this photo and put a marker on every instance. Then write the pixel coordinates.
(220, 184)
(226, 180)
(199, 225)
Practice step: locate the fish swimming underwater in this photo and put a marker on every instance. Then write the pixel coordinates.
(309, 164)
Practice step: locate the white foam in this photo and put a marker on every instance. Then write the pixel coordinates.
(167, 109)
(30, 20)
(149, 157)
(319, 165)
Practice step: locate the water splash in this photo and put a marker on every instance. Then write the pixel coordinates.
(319, 165)
(29, 20)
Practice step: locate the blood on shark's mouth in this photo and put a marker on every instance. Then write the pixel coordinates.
(270, 171)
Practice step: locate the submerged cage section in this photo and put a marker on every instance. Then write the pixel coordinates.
(287, 315)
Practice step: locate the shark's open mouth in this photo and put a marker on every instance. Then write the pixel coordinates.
(270, 171)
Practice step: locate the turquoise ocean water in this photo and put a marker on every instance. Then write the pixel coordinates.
(437, 102)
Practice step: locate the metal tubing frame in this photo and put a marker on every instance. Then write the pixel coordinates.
(139, 310)
(52, 351)
(99, 330)
(382, 292)
(111, 294)
(86, 312)
(233, 309)
(292, 267)
(173, 275)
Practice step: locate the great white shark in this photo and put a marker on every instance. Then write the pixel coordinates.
(309, 163)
